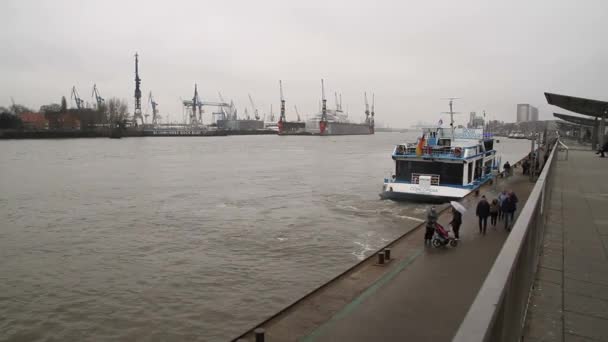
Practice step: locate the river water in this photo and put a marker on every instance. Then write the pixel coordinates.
(185, 238)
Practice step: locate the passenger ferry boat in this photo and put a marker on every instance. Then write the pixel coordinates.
(443, 165)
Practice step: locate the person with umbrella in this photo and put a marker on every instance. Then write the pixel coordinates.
(457, 211)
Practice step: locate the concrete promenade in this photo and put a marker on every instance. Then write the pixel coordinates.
(421, 295)
(570, 298)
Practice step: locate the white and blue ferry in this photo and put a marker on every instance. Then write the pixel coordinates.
(443, 165)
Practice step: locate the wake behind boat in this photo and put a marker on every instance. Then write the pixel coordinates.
(443, 165)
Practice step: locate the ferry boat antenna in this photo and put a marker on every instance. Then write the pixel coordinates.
(451, 112)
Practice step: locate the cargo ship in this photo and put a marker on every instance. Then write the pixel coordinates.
(336, 122)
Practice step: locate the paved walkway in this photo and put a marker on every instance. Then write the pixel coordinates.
(570, 298)
(422, 295)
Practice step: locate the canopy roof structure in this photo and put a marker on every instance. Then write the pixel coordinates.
(575, 119)
(579, 105)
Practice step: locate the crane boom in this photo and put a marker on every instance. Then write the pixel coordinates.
(297, 113)
(76, 97)
(98, 99)
(255, 110)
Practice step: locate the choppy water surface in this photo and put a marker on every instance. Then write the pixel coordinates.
(184, 238)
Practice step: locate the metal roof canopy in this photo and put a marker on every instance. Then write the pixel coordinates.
(575, 119)
(578, 104)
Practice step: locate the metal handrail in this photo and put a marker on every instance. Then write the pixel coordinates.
(563, 146)
(498, 311)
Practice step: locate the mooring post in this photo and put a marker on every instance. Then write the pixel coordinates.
(381, 258)
(259, 335)
(387, 254)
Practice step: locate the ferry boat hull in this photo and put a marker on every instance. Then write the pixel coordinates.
(398, 191)
(339, 128)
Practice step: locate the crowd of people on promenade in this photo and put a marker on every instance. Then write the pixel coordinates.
(499, 210)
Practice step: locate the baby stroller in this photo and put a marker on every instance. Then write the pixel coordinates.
(442, 237)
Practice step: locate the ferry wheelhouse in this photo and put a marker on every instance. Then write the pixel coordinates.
(443, 165)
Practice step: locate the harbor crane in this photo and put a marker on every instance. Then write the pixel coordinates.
(282, 117)
(297, 113)
(366, 108)
(255, 110)
(247, 114)
(373, 103)
(154, 105)
(196, 105)
(323, 102)
(98, 99)
(76, 97)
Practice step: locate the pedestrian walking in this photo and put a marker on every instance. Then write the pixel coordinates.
(525, 166)
(494, 212)
(509, 207)
(507, 168)
(431, 221)
(456, 222)
(483, 211)
(501, 197)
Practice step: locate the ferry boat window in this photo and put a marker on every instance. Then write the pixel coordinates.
(444, 142)
(489, 144)
(449, 173)
(470, 173)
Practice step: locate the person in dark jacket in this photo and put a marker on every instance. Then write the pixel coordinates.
(483, 211)
(507, 169)
(431, 220)
(494, 212)
(456, 222)
(509, 206)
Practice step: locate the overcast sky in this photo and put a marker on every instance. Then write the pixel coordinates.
(409, 53)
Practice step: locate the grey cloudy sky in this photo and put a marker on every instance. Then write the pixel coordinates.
(409, 53)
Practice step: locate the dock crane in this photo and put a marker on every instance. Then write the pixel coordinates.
(76, 97)
(255, 110)
(98, 99)
(373, 102)
(197, 105)
(153, 104)
(367, 119)
(297, 113)
(282, 117)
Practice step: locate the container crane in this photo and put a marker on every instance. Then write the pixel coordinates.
(76, 97)
(98, 99)
(255, 110)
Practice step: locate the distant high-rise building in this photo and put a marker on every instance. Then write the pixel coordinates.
(525, 113)
(475, 121)
(533, 114)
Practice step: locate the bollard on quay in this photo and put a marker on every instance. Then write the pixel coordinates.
(387, 254)
(259, 335)
(381, 258)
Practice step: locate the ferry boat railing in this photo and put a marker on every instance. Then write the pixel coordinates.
(434, 151)
(498, 313)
